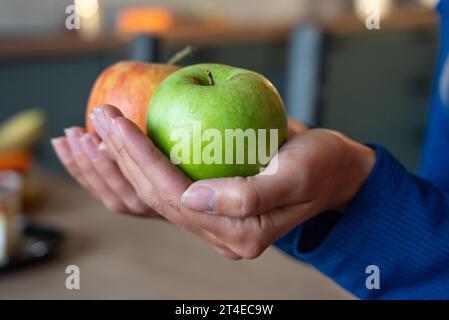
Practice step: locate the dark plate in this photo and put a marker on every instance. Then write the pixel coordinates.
(38, 242)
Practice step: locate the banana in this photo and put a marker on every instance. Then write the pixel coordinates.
(22, 130)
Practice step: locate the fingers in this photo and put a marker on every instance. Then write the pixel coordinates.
(94, 170)
(219, 245)
(131, 171)
(228, 254)
(104, 150)
(249, 237)
(156, 180)
(64, 154)
(89, 161)
(125, 140)
(111, 174)
(95, 180)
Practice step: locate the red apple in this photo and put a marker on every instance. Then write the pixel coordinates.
(129, 86)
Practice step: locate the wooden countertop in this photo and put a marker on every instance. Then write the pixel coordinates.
(200, 35)
(125, 257)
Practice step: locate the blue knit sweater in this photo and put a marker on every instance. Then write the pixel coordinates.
(398, 222)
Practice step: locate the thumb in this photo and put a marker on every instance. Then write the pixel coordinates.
(242, 197)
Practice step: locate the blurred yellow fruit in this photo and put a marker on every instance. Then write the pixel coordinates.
(22, 130)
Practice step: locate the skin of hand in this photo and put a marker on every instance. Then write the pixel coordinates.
(318, 170)
(87, 160)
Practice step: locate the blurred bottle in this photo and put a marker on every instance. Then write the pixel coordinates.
(18, 136)
(10, 207)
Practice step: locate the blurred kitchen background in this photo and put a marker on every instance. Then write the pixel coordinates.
(374, 85)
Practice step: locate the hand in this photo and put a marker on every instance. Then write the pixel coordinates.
(86, 159)
(318, 170)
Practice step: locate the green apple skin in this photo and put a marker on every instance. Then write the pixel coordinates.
(238, 98)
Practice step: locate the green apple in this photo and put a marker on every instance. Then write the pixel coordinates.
(217, 121)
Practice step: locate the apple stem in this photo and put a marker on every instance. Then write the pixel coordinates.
(209, 77)
(178, 56)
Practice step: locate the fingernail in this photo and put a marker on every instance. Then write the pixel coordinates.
(70, 132)
(55, 142)
(99, 121)
(199, 198)
(88, 146)
(61, 150)
(72, 138)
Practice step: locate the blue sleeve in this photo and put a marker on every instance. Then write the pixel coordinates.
(398, 222)
(434, 166)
